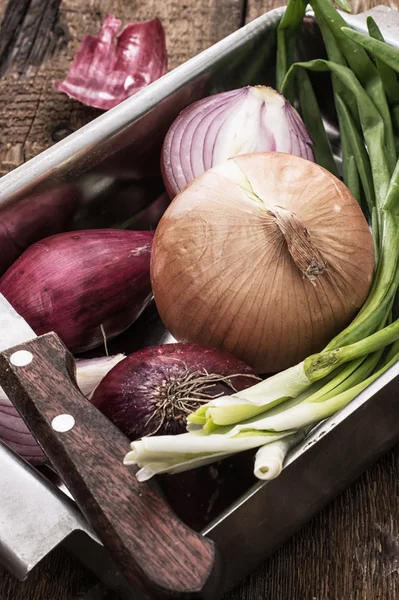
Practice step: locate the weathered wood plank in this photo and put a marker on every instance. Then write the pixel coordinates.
(350, 551)
(38, 42)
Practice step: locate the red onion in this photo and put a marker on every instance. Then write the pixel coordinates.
(87, 286)
(32, 218)
(17, 435)
(108, 67)
(152, 391)
(208, 132)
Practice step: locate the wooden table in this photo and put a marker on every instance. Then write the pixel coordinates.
(350, 551)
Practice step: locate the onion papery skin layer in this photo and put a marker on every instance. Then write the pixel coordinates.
(222, 272)
(241, 121)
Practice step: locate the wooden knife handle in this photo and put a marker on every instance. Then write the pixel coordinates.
(159, 555)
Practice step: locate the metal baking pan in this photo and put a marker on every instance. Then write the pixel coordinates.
(105, 159)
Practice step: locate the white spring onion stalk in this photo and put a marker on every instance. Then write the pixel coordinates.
(171, 454)
(289, 383)
(269, 459)
(254, 400)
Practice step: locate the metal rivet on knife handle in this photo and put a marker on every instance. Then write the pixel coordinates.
(21, 358)
(62, 423)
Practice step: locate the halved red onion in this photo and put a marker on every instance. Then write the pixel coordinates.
(208, 132)
(108, 67)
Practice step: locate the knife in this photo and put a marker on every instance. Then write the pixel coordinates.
(159, 555)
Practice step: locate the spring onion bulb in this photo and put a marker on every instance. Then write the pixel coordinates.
(189, 450)
(269, 459)
(208, 132)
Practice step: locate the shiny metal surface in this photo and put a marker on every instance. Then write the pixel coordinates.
(34, 515)
(333, 456)
(386, 17)
(14, 329)
(112, 158)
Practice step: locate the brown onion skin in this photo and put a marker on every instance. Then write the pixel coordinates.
(34, 217)
(73, 283)
(213, 266)
(127, 394)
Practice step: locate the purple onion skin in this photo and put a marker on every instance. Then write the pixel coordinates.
(128, 393)
(32, 218)
(17, 435)
(81, 284)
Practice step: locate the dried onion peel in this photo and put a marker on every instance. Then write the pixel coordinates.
(110, 67)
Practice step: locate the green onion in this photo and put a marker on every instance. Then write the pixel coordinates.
(286, 39)
(384, 52)
(314, 124)
(359, 151)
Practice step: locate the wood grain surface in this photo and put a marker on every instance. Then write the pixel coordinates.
(350, 551)
(33, 115)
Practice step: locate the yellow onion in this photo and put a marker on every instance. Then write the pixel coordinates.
(267, 257)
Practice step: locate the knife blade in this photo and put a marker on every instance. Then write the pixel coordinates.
(159, 555)
(49, 517)
(14, 329)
